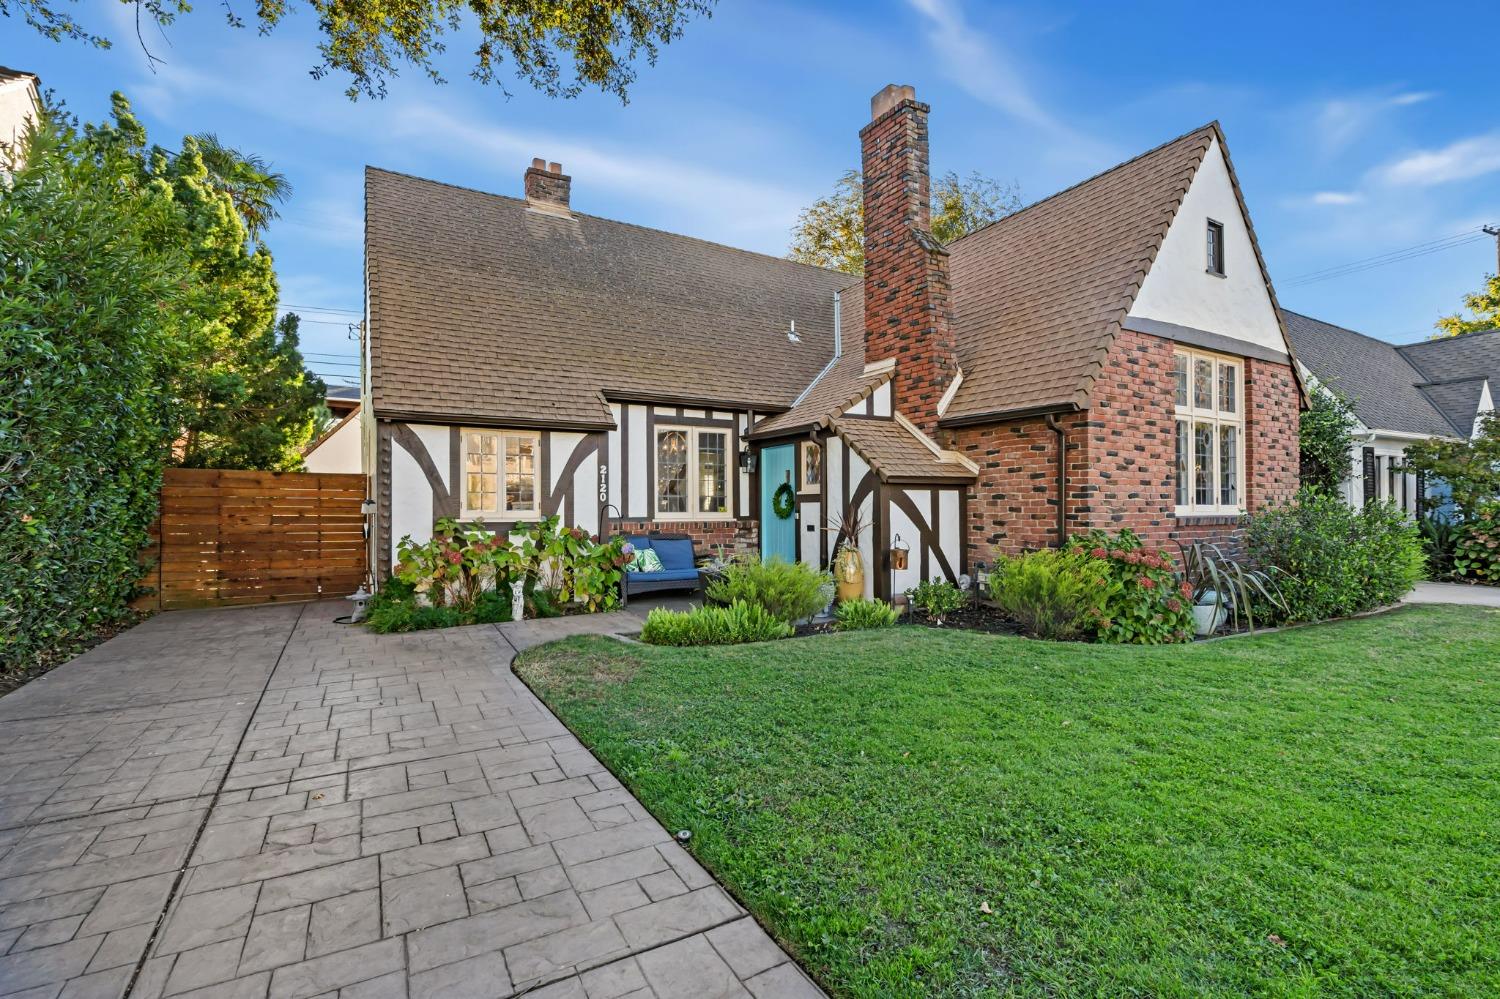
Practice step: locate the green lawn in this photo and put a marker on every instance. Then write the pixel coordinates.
(1315, 812)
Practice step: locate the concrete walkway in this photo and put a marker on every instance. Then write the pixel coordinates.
(259, 802)
(1453, 593)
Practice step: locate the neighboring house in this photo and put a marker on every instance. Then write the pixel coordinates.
(1399, 393)
(20, 104)
(340, 448)
(526, 359)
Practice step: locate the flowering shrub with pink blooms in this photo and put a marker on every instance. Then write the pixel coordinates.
(1144, 601)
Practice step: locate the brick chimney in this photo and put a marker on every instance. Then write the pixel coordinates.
(908, 315)
(547, 187)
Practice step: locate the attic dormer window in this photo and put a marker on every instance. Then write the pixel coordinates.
(1215, 247)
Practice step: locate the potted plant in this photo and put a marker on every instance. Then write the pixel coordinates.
(1220, 586)
(848, 565)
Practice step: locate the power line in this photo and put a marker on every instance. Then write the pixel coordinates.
(287, 306)
(1390, 257)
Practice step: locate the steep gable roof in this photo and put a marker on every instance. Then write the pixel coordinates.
(1039, 295)
(482, 310)
(1374, 376)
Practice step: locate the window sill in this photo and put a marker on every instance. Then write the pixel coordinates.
(499, 515)
(1213, 273)
(690, 518)
(1208, 516)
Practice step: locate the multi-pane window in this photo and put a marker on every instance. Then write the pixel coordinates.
(500, 473)
(1210, 425)
(692, 472)
(1215, 247)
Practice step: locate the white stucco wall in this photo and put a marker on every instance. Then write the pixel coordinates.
(1179, 289)
(342, 451)
(911, 536)
(411, 500)
(18, 108)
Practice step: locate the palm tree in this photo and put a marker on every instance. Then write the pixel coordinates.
(249, 181)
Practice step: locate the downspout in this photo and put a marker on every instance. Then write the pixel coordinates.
(1062, 478)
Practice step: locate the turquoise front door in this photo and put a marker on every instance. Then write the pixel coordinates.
(778, 537)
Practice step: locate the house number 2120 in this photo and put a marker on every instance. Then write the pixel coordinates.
(603, 483)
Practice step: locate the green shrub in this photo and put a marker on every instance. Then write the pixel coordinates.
(1476, 550)
(1439, 543)
(709, 625)
(937, 598)
(1052, 594)
(788, 591)
(394, 608)
(1144, 601)
(857, 615)
(1334, 560)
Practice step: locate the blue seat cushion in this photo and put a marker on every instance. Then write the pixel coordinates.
(639, 544)
(675, 553)
(667, 576)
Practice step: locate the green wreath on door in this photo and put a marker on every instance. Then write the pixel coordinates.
(782, 500)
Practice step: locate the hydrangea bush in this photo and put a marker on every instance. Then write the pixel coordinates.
(1144, 603)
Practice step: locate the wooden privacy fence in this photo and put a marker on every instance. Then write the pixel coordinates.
(232, 537)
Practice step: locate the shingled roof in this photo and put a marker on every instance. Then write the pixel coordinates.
(1376, 377)
(1454, 371)
(838, 388)
(484, 311)
(1039, 295)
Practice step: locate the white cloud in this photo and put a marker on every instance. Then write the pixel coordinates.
(986, 72)
(730, 204)
(1461, 160)
(1340, 122)
(1337, 198)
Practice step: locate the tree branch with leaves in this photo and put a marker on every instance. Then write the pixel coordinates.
(560, 47)
(831, 231)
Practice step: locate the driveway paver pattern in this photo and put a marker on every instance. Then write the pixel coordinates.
(261, 802)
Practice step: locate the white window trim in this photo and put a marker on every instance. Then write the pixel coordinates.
(804, 450)
(501, 512)
(692, 474)
(1193, 415)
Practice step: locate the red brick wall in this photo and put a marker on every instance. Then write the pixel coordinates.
(1120, 456)
(739, 537)
(908, 315)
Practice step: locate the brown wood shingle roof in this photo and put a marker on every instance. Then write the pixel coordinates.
(482, 310)
(1039, 295)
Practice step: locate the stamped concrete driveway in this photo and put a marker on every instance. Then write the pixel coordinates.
(260, 802)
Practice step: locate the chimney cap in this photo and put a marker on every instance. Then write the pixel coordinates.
(537, 163)
(889, 97)
(554, 168)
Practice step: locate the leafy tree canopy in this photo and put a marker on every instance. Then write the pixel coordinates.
(1326, 435)
(369, 39)
(1471, 468)
(246, 401)
(1485, 307)
(831, 231)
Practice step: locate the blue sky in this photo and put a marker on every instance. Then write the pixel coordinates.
(1356, 129)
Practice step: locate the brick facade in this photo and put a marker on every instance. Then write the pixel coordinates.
(908, 312)
(1120, 457)
(739, 537)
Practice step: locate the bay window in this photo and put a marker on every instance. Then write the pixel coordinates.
(500, 474)
(692, 473)
(1209, 434)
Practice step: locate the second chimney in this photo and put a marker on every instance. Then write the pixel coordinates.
(547, 187)
(908, 316)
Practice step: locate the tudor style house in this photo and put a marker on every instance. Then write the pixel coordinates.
(1111, 356)
(1400, 393)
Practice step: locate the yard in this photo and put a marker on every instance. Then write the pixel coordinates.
(916, 812)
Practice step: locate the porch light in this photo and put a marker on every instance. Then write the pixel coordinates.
(747, 461)
(899, 550)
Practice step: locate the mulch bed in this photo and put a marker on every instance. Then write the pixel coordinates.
(14, 679)
(973, 617)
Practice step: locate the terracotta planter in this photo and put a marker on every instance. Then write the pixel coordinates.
(849, 573)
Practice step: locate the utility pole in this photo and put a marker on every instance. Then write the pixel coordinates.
(1494, 230)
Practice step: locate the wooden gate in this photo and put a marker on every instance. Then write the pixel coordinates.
(232, 537)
